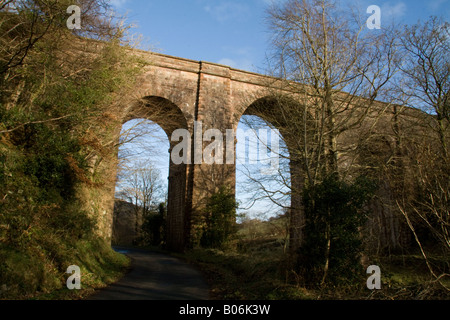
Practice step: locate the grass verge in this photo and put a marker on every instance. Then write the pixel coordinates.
(260, 273)
(39, 275)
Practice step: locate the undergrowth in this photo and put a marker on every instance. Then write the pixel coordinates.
(258, 268)
(37, 273)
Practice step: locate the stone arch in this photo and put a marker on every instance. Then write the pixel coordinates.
(159, 110)
(169, 117)
(274, 109)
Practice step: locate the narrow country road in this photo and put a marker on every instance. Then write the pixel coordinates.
(155, 276)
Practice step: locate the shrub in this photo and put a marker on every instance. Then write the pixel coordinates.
(153, 227)
(220, 219)
(334, 215)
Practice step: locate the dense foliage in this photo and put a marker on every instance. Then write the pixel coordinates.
(153, 228)
(334, 216)
(53, 96)
(220, 219)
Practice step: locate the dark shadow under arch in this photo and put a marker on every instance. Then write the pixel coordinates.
(159, 110)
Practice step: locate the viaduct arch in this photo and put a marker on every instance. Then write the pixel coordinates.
(178, 93)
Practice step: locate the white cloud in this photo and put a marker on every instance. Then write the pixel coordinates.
(228, 62)
(242, 63)
(436, 4)
(238, 57)
(118, 3)
(397, 10)
(228, 11)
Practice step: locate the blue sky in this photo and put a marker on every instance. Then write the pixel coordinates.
(233, 33)
(149, 149)
(227, 32)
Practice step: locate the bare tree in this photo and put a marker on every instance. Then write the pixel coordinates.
(137, 139)
(343, 68)
(24, 23)
(144, 189)
(425, 83)
(426, 73)
(336, 70)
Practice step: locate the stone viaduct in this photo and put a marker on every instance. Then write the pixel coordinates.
(176, 93)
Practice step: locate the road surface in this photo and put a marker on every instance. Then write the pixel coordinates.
(155, 276)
